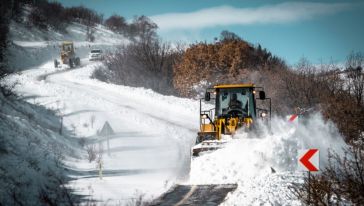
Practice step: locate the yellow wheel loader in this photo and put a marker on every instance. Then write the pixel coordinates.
(68, 55)
(235, 108)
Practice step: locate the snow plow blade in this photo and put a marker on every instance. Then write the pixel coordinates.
(195, 195)
(208, 145)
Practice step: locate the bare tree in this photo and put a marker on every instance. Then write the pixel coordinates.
(301, 84)
(143, 29)
(92, 153)
(228, 36)
(147, 63)
(90, 30)
(355, 74)
(116, 23)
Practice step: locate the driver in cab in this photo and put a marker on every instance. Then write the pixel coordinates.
(234, 102)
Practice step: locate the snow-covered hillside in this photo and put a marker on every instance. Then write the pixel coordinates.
(31, 46)
(32, 153)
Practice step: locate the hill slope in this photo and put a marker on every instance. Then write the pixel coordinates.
(32, 46)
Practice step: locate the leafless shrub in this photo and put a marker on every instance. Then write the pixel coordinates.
(90, 33)
(138, 200)
(7, 90)
(91, 151)
(325, 89)
(84, 15)
(315, 190)
(105, 74)
(4, 30)
(116, 23)
(46, 15)
(347, 174)
(82, 141)
(144, 63)
(355, 74)
(341, 182)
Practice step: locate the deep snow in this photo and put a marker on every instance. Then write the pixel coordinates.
(151, 141)
(248, 160)
(150, 149)
(32, 152)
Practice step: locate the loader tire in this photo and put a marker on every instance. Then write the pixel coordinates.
(70, 62)
(55, 63)
(77, 61)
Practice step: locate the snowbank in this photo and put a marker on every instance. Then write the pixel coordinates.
(32, 152)
(264, 164)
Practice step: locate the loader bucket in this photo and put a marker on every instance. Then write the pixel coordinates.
(208, 145)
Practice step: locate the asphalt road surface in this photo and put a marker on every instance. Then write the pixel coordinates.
(209, 195)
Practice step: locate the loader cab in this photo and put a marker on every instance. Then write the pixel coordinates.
(67, 47)
(68, 55)
(235, 108)
(235, 102)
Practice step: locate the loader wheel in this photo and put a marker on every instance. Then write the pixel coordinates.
(77, 61)
(70, 62)
(55, 63)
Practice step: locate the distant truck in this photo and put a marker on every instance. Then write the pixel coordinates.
(96, 54)
(68, 55)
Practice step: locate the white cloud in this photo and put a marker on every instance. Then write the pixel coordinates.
(227, 15)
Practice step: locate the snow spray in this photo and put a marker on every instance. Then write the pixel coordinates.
(255, 153)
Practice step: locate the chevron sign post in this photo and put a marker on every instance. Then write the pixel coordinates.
(308, 160)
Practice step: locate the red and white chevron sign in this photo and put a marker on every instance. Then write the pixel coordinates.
(308, 160)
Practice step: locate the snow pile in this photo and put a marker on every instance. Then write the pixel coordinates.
(249, 160)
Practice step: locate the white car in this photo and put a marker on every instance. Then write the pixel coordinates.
(96, 54)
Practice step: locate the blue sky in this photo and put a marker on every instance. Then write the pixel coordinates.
(318, 30)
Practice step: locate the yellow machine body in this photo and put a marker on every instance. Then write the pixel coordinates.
(68, 55)
(224, 119)
(67, 52)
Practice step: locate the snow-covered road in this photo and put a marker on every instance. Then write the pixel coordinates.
(153, 133)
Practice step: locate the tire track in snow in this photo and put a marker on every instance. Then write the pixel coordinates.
(96, 92)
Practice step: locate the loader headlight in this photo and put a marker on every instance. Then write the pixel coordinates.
(263, 114)
(204, 116)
